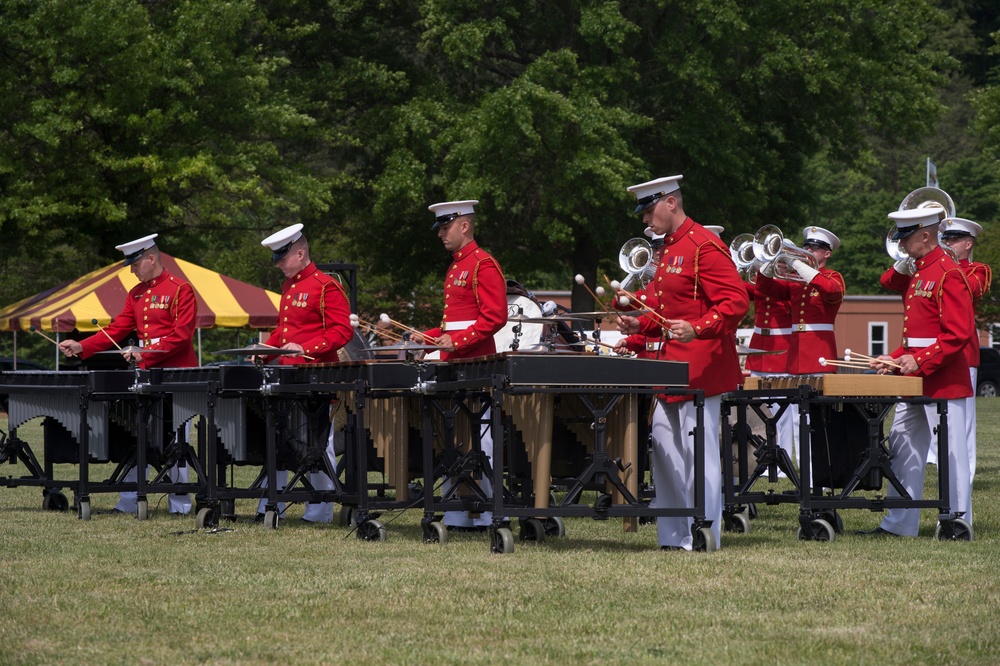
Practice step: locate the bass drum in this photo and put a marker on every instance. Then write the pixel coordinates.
(356, 349)
(531, 334)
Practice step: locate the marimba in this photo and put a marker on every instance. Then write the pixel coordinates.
(526, 387)
(842, 420)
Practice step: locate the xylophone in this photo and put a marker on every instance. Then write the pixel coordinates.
(842, 445)
(847, 385)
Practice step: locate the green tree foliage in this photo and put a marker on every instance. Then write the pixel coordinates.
(214, 123)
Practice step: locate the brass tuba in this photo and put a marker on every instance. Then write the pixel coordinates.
(775, 254)
(636, 259)
(922, 197)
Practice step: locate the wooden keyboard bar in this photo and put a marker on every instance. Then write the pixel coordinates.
(846, 385)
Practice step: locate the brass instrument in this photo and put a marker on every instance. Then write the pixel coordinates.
(922, 197)
(775, 254)
(636, 259)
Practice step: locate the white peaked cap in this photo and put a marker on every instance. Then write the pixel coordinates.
(821, 236)
(134, 249)
(448, 210)
(908, 221)
(280, 241)
(959, 226)
(647, 194)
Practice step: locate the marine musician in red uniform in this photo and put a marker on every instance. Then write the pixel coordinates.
(937, 327)
(961, 235)
(314, 320)
(475, 308)
(813, 302)
(161, 309)
(700, 301)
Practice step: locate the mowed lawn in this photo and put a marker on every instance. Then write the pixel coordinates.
(115, 590)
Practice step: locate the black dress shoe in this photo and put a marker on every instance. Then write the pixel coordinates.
(878, 531)
(671, 547)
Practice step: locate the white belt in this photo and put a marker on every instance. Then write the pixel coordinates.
(914, 343)
(458, 325)
(772, 331)
(654, 346)
(151, 342)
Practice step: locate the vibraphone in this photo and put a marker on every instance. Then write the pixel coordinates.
(525, 386)
(378, 393)
(227, 401)
(842, 445)
(80, 410)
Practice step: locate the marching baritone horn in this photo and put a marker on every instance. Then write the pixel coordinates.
(741, 250)
(775, 254)
(636, 259)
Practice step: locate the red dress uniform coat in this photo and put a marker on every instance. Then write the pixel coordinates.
(315, 314)
(810, 304)
(696, 281)
(162, 312)
(772, 332)
(475, 303)
(980, 276)
(937, 304)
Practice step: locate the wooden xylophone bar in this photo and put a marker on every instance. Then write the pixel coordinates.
(846, 385)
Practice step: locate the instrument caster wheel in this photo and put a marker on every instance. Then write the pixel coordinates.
(554, 527)
(532, 530)
(738, 523)
(601, 505)
(958, 530)
(205, 518)
(372, 530)
(83, 511)
(142, 510)
(704, 540)
(227, 510)
(831, 516)
(346, 517)
(55, 501)
(822, 531)
(436, 532)
(502, 541)
(270, 520)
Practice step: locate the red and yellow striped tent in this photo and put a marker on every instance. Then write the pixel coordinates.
(222, 301)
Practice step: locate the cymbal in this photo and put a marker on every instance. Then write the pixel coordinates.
(522, 319)
(258, 350)
(406, 345)
(747, 351)
(132, 349)
(597, 314)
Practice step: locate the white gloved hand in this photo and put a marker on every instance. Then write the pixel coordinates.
(903, 266)
(805, 270)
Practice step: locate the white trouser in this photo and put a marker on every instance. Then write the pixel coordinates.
(970, 429)
(281, 476)
(911, 433)
(128, 501)
(787, 425)
(462, 518)
(673, 468)
(322, 512)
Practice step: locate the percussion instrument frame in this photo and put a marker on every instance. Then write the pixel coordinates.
(873, 463)
(599, 389)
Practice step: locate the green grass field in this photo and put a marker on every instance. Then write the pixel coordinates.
(115, 590)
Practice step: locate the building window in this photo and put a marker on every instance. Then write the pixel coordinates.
(876, 338)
